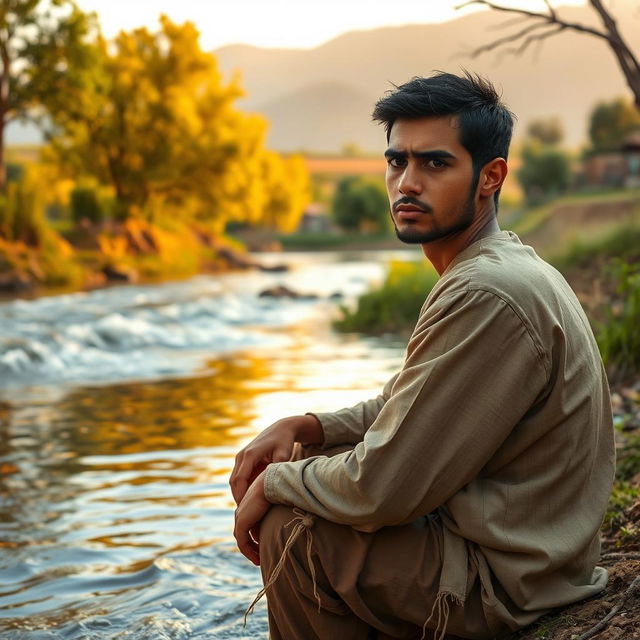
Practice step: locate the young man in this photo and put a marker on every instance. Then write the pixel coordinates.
(467, 497)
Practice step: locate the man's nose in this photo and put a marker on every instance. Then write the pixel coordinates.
(409, 182)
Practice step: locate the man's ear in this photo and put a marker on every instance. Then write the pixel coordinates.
(492, 175)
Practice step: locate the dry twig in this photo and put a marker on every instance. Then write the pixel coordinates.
(631, 589)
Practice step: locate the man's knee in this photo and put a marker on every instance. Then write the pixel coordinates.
(273, 528)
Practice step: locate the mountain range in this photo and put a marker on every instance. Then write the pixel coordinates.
(321, 99)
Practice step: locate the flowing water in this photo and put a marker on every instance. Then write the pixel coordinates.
(120, 413)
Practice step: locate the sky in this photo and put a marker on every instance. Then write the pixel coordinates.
(279, 23)
(297, 24)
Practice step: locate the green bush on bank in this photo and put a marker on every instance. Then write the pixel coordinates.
(85, 204)
(623, 242)
(393, 307)
(619, 337)
(22, 213)
(614, 260)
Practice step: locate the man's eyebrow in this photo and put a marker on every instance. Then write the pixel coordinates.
(436, 154)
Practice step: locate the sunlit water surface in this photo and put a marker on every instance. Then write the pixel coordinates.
(120, 413)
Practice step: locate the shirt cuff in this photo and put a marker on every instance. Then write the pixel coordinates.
(332, 429)
(271, 482)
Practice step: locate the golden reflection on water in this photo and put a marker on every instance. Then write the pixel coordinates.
(166, 415)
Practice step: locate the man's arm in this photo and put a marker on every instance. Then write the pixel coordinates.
(348, 426)
(472, 372)
(275, 443)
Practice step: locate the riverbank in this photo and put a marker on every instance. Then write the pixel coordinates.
(88, 257)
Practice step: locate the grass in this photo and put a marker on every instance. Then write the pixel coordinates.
(392, 307)
(619, 336)
(622, 242)
(328, 240)
(526, 221)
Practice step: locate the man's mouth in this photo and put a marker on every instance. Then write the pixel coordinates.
(409, 214)
(410, 207)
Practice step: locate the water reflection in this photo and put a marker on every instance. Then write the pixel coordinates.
(100, 486)
(115, 514)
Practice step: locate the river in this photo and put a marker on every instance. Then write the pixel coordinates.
(120, 412)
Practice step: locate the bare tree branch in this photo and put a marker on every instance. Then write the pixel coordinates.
(518, 51)
(506, 39)
(550, 18)
(627, 61)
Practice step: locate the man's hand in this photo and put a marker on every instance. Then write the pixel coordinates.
(274, 444)
(249, 513)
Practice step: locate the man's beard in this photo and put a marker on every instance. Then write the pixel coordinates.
(415, 236)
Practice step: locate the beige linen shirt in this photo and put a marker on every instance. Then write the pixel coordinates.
(499, 422)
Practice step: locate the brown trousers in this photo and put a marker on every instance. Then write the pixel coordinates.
(337, 583)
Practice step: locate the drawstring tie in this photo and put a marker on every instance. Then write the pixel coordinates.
(441, 610)
(303, 522)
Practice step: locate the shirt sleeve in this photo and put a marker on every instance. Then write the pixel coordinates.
(349, 425)
(472, 372)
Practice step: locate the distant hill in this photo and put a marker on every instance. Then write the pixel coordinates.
(319, 99)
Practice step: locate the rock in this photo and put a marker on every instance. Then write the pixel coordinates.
(281, 291)
(120, 274)
(277, 268)
(15, 282)
(234, 259)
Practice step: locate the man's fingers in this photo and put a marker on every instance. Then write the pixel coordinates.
(281, 455)
(238, 489)
(240, 477)
(247, 546)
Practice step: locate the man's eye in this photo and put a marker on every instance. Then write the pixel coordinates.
(436, 163)
(396, 162)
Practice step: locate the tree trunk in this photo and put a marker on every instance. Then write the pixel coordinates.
(4, 109)
(3, 167)
(626, 59)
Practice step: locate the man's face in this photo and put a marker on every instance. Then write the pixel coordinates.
(429, 179)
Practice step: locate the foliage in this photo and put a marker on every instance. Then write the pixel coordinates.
(22, 212)
(623, 242)
(545, 171)
(547, 131)
(619, 337)
(611, 122)
(86, 204)
(287, 191)
(29, 248)
(395, 305)
(157, 123)
(43, 53)
(320, 241)
(361, 203)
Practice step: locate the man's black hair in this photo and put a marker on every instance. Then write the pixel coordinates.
(485, 123)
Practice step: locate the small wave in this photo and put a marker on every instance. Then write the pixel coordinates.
(138, 332)
(137, 342)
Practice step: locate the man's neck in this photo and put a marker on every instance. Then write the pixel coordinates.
(441, 252)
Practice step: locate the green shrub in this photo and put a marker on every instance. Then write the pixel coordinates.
(22, 213)
(545, 172)
(361, 203)
(621, 242)
(619, 337)
(394, 306)
(86, 204)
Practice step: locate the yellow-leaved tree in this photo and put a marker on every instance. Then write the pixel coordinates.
(158, 124)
